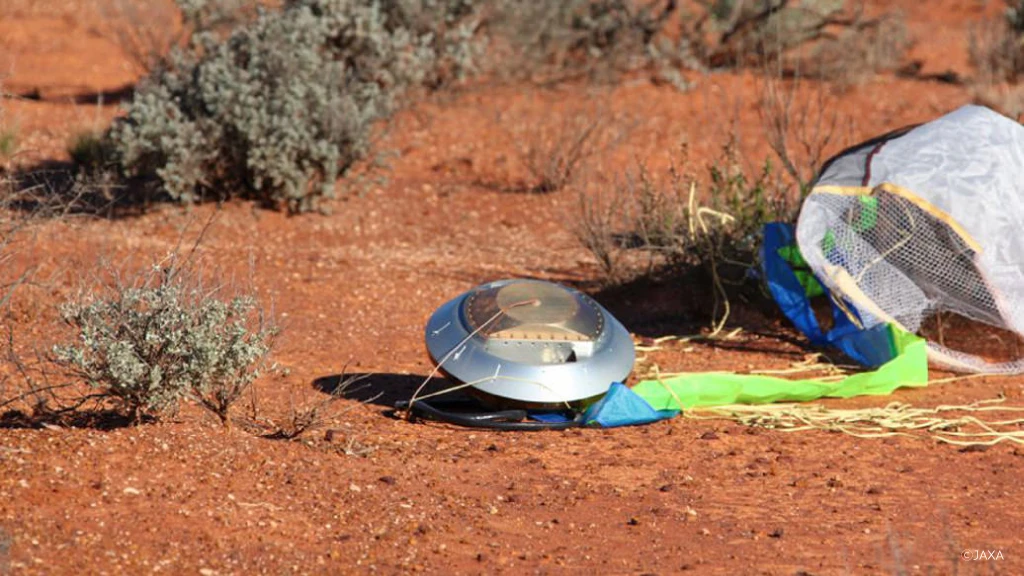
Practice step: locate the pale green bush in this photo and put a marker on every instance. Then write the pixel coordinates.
(164, 338)
(286, 104)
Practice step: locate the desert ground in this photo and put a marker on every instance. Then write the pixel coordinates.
(352, 290)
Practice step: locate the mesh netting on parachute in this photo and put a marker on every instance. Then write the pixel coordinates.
(924, 228)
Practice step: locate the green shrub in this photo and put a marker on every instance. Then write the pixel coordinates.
(164, 338)
(682, 226)
(285, 105)
(8, 143)
(750, 201)
(449, 31)
(722, 225)
(90, 149)
(685, 222)
(8, 136)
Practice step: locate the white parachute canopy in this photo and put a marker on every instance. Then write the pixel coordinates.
(924, 228)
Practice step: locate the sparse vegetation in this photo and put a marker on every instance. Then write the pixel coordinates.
(554, 148)
(996, 48)
(553, 163)
(8, 137)
(550, 41)
(679, 221)
(834, 34)
(8, 142)
(278, 111)
(861, 49)
(285, 105)
(801, 123)
(150, 342)
(130, 25)
(311, 415)
(90, 150)
(28, 394)
(12, 221)
(712, 225)
(716, 221)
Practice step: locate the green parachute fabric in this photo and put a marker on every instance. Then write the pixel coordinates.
(908, 368)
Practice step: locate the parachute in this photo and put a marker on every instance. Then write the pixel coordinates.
(923, 229)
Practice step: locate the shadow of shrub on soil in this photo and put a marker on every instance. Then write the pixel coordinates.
(380, 389)
(96, 419)
(680, 301)
(117, 95)
(56, 189)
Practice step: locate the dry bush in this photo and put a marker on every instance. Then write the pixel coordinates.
(995, 46)
(144, 30)
(858, 52)
(14, 221)
(684, 226)
(599, 40)
(31, 389)
(714, 222)
(599, 227)
(147, 31)
(11, 225)
(555, 147)
(550, 41)
(829, 39)
(1007, 99)
(681, 219)
(554, 152)
(283, 108)
(801, 123)
(52, 194)
(309, 415)
(997, 54)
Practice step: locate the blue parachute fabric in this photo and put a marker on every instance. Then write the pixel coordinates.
(869, 347)
(620, 406)
(549, 417)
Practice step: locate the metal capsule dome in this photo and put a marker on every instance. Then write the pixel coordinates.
(530, 343)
